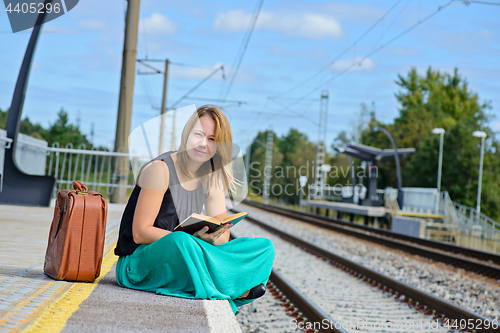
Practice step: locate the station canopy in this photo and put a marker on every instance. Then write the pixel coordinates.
(367, 153)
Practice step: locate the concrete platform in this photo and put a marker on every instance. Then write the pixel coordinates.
(32, 302)
(349, 208)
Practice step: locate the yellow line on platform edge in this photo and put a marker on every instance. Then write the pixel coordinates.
(54, 317)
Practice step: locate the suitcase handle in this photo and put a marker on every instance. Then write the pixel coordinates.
(79, 186)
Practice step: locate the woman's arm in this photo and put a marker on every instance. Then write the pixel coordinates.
(215, 206)
(154, 183)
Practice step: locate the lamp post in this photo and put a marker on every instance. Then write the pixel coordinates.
(439, 131)
(482, 135)
(398, 168)
(302, 182)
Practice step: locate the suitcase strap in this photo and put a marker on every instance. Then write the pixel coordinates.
(80, 187)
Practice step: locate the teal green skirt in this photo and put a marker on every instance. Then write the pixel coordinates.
(182, 265)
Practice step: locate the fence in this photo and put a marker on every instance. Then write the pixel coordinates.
(5, 143)
(30, 154)
(324, 192)
(95, 168)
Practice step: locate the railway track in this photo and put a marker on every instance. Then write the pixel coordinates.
(394, 300)
(484, 263)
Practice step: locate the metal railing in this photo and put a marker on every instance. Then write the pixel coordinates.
(482, 219)
(95, 168)
(324, 192)
(466, 217)
(479, 232)
(8, 142)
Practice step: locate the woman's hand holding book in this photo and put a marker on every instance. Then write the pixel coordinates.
(212, 237)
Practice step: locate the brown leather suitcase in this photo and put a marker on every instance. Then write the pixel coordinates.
(76, 238)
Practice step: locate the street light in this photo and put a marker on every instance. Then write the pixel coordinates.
(302, 182)
(482, 135)
(396, 157)
(439, 131)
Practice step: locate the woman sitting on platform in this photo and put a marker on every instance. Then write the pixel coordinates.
(169, 189)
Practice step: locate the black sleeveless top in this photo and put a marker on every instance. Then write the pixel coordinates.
(178, 203)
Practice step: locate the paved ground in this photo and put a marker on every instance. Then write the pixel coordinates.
(30, 301)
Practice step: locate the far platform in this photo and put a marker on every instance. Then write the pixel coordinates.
(349, 208)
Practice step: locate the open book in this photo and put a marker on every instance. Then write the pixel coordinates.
(196, 221)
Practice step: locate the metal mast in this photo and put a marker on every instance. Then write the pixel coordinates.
(320, 177)
(269, 163)
(124, 118)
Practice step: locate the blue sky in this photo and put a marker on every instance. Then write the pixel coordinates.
(77, 64)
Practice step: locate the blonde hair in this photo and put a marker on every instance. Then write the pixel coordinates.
(218, 169)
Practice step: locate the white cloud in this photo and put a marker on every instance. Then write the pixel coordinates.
(92, 24)
(56, 29)
(201, 72)
(359, 13)
(354, 64)
(36, 65)
(157, 23)
(309, 25)
(198, 72)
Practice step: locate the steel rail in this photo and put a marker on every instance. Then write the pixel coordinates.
(311, 311)
(409, 244)
(301, 307)
(416, 297)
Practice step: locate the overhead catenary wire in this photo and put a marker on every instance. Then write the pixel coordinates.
(214, 100)
(173, 63)
(381, 19)
(147, 80)
(148, 93)
(246, 40)
(396, 18)
(371, 53)
(194, 88)
(468, 2)
(359, 62)
(158, 71)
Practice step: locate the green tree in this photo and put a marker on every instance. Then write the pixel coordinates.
(299, 155)
(3, 118)
(26, 126)
(63, 132)
(258, 161)
(292, 154)
(34, 130)
(441, 100)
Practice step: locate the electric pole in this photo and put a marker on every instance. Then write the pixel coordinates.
(320, 178)
(123, 122)
(172, 145)
(78, 119)
(164, 108)
(164, 98)
(247, 160)
(269, 164)
(92, 134)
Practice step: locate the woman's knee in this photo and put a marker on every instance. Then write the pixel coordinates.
(176, 238)
(266, 242)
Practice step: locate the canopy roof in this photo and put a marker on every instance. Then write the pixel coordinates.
(367, 153)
